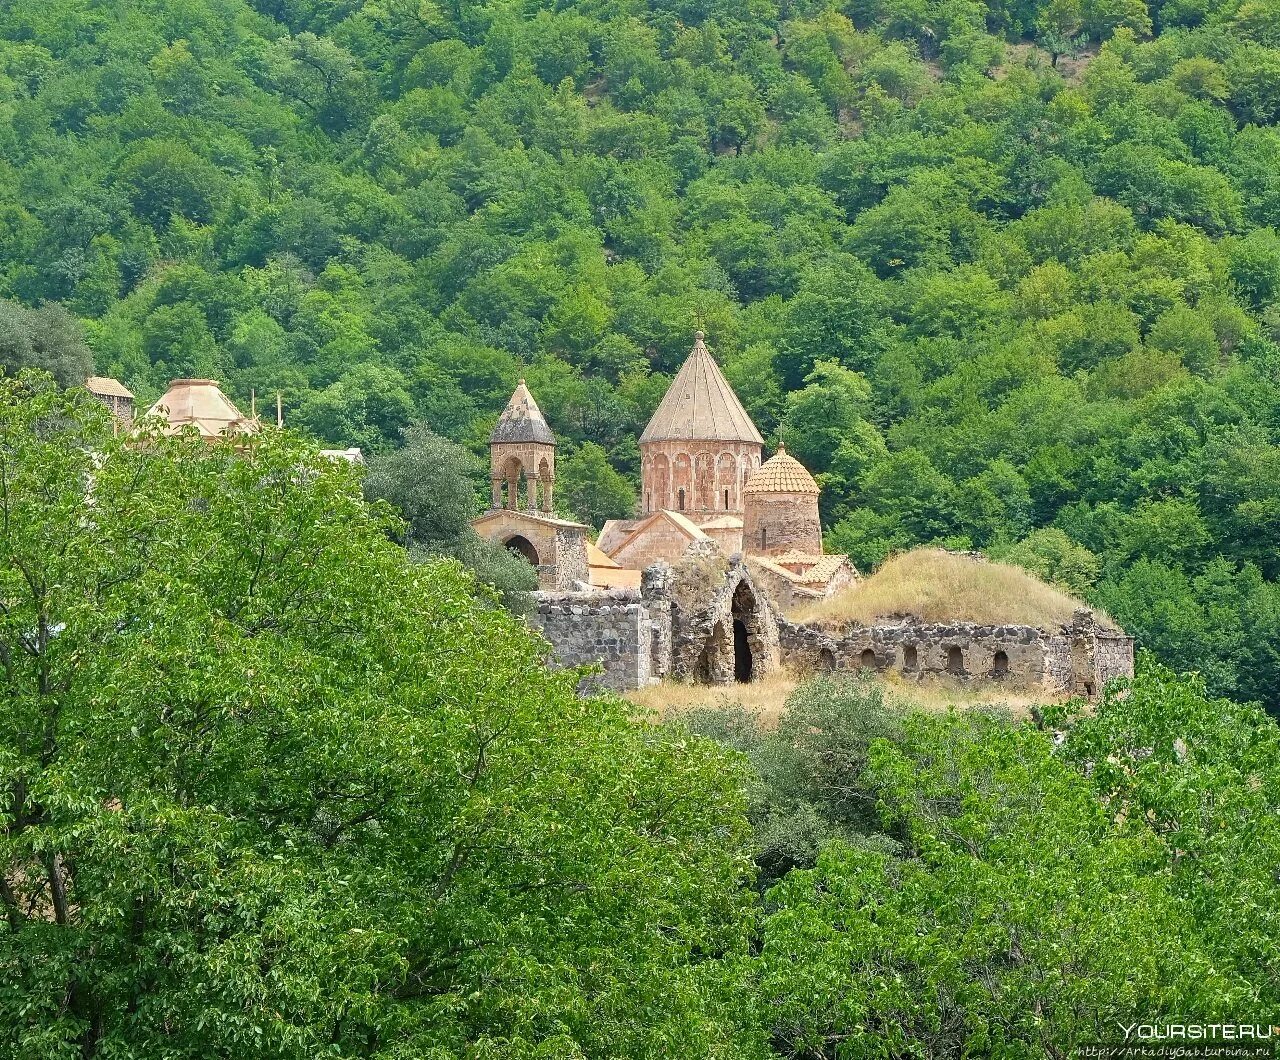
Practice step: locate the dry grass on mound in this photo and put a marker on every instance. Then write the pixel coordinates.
(938, 586)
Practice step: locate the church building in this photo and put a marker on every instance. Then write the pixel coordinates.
(702, 485)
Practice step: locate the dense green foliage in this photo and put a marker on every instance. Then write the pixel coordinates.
(963, 885)
(988, 288)
(269, 788)
(273, 787)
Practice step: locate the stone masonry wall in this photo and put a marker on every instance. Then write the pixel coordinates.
(778, 522)
(1078, 659)
(611, 628)
(958, 650)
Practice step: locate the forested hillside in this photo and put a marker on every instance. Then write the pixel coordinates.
(1005, 273)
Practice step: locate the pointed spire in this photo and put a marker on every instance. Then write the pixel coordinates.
(701, 404)
(522, 420)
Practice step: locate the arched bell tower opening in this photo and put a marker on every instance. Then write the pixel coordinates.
(522, 457)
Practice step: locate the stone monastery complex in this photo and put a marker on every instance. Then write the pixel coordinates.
(698, 584)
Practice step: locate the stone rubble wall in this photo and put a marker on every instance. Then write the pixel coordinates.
(1027, 649)
(1112, 657)
(1078, 659)
(611, 628)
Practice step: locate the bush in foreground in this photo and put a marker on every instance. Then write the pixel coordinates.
(269, 789)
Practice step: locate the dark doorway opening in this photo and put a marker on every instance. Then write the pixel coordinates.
(955, 660)
(524, 547)
(867, 660)
(741, 652)
(1000, 664)
(826, 660)
(910, 657)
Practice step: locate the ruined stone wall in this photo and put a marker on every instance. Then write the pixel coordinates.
(1078, 659)
(1113, 657)
(610, 628)
(958, 650)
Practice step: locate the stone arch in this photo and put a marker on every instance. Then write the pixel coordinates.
(661, 481)
(826, 662)
(512, 473)
(1000, 664)
(744, 611)
(867, 660)
(726, 484)
(910, 658)
(955, 660)
(682, 478)
(522, 545)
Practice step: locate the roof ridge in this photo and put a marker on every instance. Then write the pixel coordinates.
(713, 411)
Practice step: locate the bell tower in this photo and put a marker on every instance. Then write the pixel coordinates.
(522, 456)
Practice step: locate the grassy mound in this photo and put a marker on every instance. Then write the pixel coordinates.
(938, 586)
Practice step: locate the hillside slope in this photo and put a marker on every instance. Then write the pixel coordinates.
(988, 299)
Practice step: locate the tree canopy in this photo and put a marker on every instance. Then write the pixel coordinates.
(269, 788)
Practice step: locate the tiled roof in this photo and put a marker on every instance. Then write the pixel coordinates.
(522, 420)
(105, 386)
(781, 473)
(700, 404)
(824, 570)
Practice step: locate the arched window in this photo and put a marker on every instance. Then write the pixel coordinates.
(955, 660)
(910, 657)
(764, 538)
(867, 660)
(682, 500)
(726, 500)
(648, 502)
(1000, 664)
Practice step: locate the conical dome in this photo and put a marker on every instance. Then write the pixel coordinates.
(781, 473)
(701, 404)
(522, 421)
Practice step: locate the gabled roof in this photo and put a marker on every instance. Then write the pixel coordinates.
(700, 404)
(533, 517)
(781, 473)
(201, 404)
(105, 386)
(640, 527)
(522, 420)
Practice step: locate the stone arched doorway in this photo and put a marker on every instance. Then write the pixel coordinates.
(524, 547)
(747, 631)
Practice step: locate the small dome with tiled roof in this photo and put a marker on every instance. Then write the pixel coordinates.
(781, 473)
(522, 420)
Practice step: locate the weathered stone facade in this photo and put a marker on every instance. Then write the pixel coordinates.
(1078, 659)
(707, 620)
(781, 522)
(557, 548)
(612, 629)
